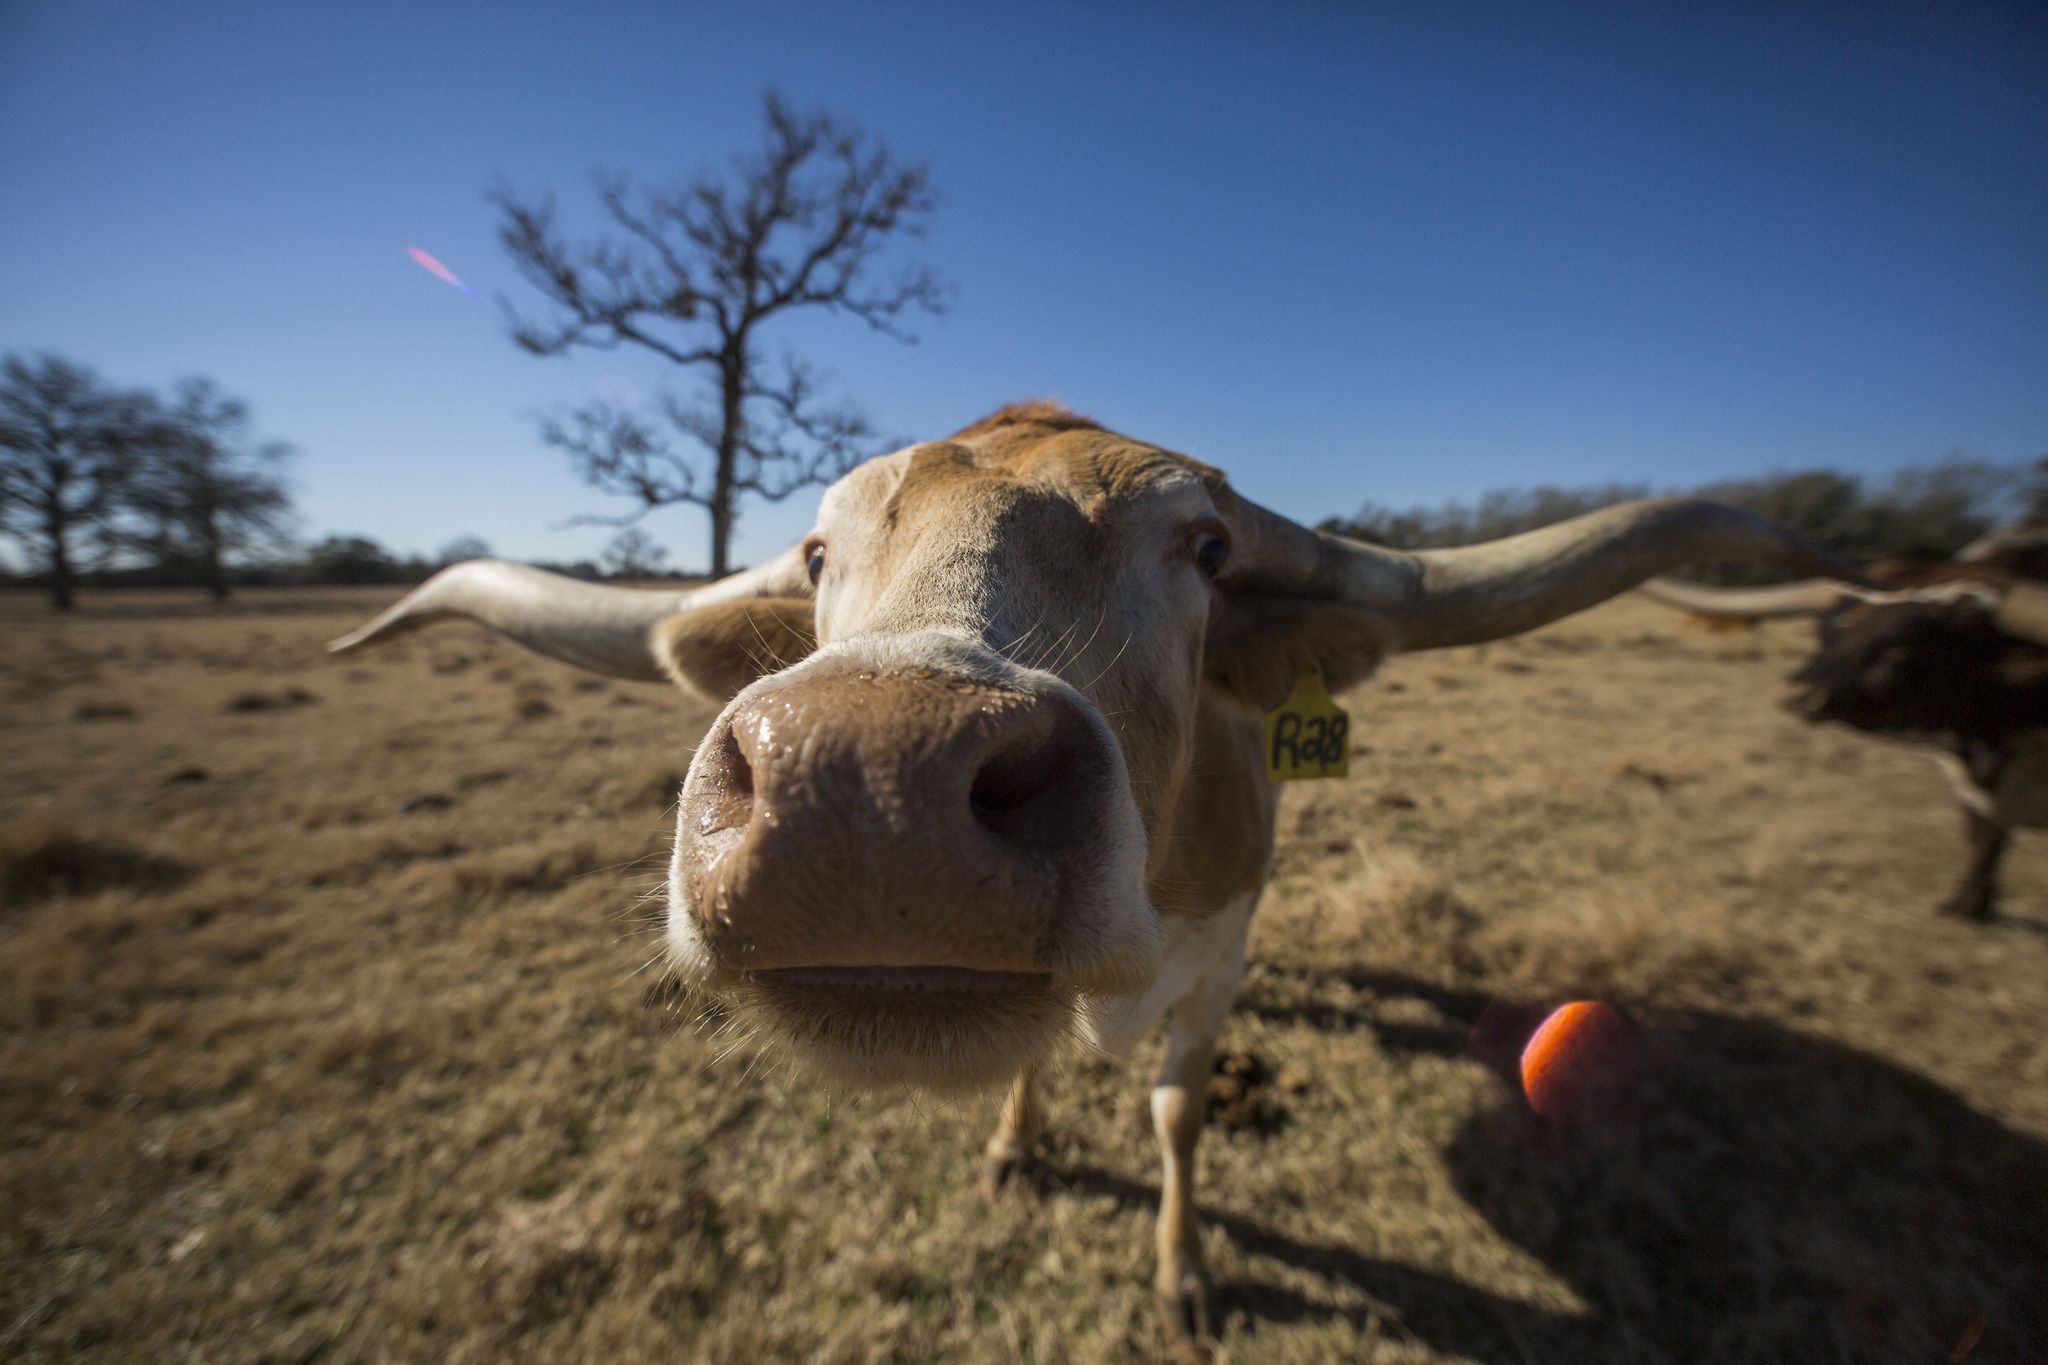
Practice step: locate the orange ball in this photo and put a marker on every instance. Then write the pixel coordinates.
(1574, 1055)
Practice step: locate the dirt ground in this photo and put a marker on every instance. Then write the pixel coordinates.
(327, 1033)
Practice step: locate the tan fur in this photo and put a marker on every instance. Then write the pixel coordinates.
(1257, 646)
(1049, 413)
(1011, 1147)
(1219, 843)
(719, 649)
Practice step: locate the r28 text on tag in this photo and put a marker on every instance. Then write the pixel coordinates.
(1308, 735)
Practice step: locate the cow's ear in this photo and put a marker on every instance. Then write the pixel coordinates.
(1257, 646)
(720, 649)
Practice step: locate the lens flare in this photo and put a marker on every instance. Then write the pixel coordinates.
(1575, 1055)
(434, 267)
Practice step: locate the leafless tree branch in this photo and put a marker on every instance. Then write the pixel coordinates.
(690, 273)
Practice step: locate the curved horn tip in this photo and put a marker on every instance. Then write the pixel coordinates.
(383, 627)
(354, 640)
(1806, 597)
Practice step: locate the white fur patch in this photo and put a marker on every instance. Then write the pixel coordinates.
(2021, 797)
(1197, 952)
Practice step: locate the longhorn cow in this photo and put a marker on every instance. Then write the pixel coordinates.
(992, 770)
(1950, 653)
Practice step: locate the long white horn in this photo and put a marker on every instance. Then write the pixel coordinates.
(1476, 593)
(2005, 541)
(591, 625)
(2020, 610)
(1808, 597)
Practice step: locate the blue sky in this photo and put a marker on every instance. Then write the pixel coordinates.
(1400, 252)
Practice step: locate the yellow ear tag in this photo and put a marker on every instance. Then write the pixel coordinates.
(1308, 735)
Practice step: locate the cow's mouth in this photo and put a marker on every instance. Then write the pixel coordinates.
(942, 1027)
(947, 980)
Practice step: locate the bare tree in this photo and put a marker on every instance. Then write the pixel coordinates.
(692, 274)
(633, 553)
(461, 548)
(204, 486)
(67, 446)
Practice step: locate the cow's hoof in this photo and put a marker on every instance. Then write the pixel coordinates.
(1000, 1164)
(1187, 1312)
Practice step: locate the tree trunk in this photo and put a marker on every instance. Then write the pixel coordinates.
(60, 573)
(721, 536)
(732, 394)
(55, 528)
(216, 578)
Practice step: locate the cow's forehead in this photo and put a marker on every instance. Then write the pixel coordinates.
(1102, 476)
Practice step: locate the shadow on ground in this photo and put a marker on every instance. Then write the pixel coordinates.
(1752, 1195)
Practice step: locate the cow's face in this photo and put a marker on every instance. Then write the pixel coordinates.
(919, 849)
(1093, 563)
(1917, 668)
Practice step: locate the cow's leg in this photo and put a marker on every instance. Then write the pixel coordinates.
(1179, 1102)
(1977, 897)
(1009, 1149)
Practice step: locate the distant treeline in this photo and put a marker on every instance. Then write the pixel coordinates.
(1920, 511)
(346, 560)
(93, 473)
(125, 487)
(336, 560)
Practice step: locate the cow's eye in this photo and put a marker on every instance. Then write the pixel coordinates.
(815, 565)
(1210, 552)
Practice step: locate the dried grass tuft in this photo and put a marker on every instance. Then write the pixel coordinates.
(42, 860)
(1397, 905)
(250, 703)
(477, 878)
(655, 782)
(654, 1238)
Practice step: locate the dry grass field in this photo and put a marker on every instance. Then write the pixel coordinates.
(325, 1035)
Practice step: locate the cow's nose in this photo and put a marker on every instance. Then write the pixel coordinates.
(894, 818)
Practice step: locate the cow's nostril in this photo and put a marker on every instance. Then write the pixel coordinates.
(739, 774)
(1028, 793)
(732, 786)
(1013, 777)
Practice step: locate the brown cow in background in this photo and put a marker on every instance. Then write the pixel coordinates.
(1954, 654)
